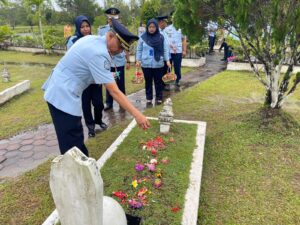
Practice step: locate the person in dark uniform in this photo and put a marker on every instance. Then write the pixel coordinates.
(88, 61)
(119, 61)
(93, 93)
(163, 23)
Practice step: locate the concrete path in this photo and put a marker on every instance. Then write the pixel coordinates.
(27, 150)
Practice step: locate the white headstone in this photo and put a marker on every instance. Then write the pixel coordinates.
(165, 116)
(77, 189)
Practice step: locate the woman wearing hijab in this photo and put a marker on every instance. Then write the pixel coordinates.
(93, 93)
(152, 51)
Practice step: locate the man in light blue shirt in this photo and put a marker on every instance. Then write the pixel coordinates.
(177, 43)
(87, 61)
(212, 28)
(118, 61)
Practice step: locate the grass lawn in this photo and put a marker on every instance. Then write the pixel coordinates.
(251, 162)
(29, 110)
(24, 57)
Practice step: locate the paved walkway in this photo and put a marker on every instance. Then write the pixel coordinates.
(27, 150)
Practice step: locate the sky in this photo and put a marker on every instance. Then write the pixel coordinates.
(101, 2)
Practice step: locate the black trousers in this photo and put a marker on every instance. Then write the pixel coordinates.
(68, 130)
(150, 75)
(176, 60)
(211, 43)
(120, 82)
(92, 95)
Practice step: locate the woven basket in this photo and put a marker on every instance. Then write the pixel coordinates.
(169, 77)
(138, 77)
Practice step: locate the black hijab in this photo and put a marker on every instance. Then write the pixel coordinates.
(155, 40)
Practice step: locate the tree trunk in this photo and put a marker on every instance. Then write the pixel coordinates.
(272, 94)
(40, 26)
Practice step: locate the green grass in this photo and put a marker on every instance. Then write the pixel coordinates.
(251, 162)
(23, 57)
(29, 109)
(118, 175)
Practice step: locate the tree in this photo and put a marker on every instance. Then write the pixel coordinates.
(37, 7)
(74, 8)
(267, 29)
(2, 2)
(150, 9)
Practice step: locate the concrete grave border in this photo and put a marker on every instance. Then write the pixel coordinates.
(244, 66)
(192, 196)
(11, 92)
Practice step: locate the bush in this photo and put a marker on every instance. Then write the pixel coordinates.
(54, 39)
(27, 41)
(5, 33)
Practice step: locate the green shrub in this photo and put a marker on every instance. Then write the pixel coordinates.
(5, 33)
(27, 41)
(54, 39)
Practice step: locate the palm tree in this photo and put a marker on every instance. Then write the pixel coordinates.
(2, 2)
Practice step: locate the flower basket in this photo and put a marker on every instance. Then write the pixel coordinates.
(138, 77)
(169, 77)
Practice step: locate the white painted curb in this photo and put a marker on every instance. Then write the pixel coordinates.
(11, 92)
(193, 62)
(237, 66)
(190, 213)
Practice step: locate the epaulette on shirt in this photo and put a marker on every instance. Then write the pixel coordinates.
(103, 27)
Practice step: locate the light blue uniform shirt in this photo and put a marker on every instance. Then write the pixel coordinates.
(117, 60)
(145, 54)
(87, 62)
(175, 39)
(212, 28)
(70, 42)
(163, 32)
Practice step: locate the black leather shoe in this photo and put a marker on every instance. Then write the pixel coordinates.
(103, 125)
(92, 133)
(158, 102)
(108, 107)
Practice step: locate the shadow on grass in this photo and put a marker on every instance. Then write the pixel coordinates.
(272, 120)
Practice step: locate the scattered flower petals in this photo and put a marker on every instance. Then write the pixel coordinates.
(175, 209)
(142, 191)
(158, 175)
(154, 151)
(157, 183)
(134, 183)
(139, 167)
(171, 139)
(121, 195)
(135, 204)
(165, 160)
(153, 161)
(151, 167)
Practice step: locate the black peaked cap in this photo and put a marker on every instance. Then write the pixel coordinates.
(112, 11)
(124, 35)
(161, 18)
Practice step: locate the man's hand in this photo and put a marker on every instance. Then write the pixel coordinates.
(142, 121)
(183, 54)
(169, 64)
